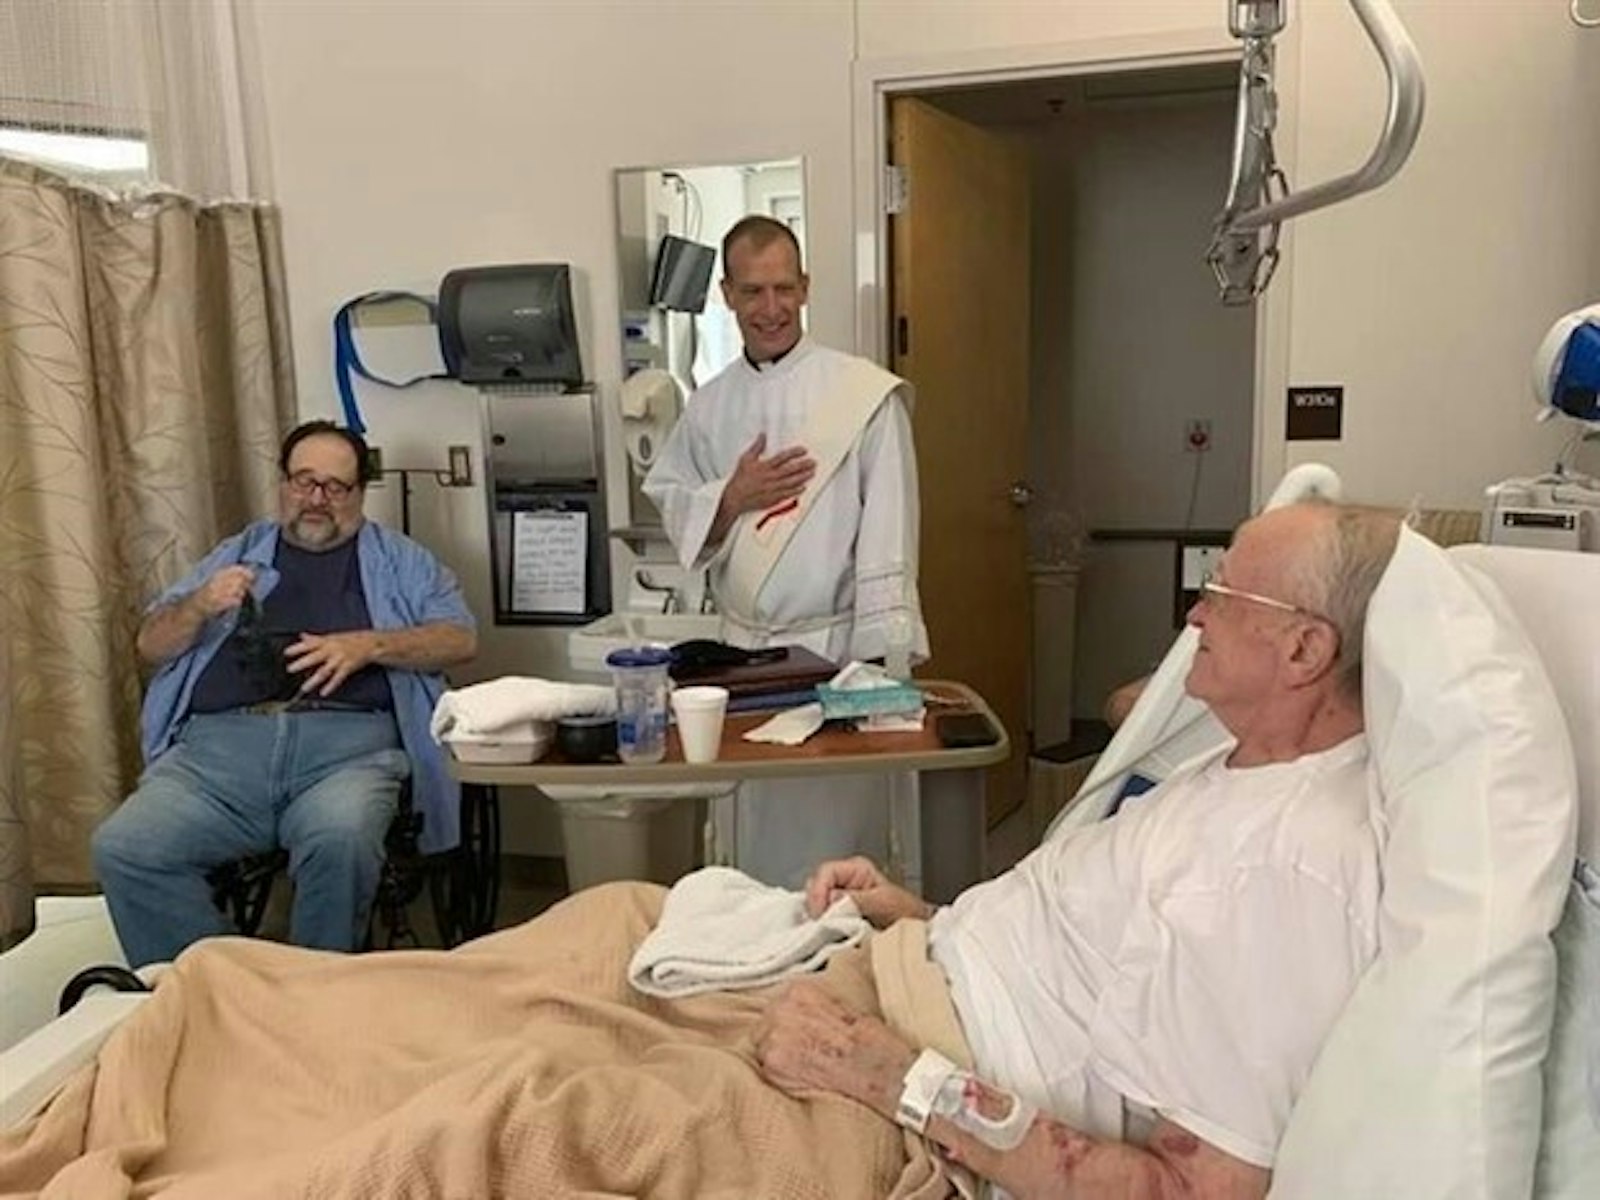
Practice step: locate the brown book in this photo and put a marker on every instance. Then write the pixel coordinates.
(796, 671)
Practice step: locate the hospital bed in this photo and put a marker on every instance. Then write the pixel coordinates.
(1438, 1080)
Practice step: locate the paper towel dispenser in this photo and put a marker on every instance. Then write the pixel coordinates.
(510, 324)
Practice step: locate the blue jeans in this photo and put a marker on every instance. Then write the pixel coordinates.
(323, 785)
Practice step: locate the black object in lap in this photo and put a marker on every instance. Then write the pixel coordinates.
(260, 651)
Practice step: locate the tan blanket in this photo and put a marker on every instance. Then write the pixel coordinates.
(520, 1065)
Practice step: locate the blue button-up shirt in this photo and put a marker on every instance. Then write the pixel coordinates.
(405, 586)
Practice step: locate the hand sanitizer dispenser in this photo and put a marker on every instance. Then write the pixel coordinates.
(651, 403)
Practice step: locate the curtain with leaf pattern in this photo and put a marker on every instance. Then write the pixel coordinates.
(144, 386)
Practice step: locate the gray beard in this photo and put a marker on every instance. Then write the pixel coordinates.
(333, 536)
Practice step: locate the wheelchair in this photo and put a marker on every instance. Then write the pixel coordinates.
(463, 883)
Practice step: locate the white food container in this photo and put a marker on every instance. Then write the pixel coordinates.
(525, 745)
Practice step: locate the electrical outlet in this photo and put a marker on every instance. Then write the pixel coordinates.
(460, 466)
(1197, 435)
(1198, 562)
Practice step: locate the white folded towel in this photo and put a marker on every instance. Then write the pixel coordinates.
(514, 700)
(720, 930)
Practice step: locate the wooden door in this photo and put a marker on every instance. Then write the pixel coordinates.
(960, 253)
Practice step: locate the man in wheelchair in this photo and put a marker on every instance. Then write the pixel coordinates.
(298, 665)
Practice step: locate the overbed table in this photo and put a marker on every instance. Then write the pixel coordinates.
(939, 829)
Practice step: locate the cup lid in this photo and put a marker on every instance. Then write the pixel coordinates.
(699, 696)
(639, 656)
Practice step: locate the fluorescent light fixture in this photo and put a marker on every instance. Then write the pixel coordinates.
(80, 150)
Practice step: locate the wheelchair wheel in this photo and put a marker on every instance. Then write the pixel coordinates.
(465, 882)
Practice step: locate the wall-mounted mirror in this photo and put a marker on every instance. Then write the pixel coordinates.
(670, 222)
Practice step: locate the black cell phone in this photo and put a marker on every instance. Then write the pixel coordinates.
(957, 730)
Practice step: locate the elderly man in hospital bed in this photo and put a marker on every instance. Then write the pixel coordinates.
(1157, 984)
(1132, 1011)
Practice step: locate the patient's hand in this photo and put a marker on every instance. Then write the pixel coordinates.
(810, 1040)
(882, 903)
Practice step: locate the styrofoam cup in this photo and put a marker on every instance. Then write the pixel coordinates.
(699, 712)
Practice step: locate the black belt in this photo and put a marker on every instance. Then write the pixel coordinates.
(303, 704)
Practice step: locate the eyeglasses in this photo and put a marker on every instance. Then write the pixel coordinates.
(305, 484)
(1209, 587)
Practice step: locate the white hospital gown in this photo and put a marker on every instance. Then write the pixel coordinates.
(1189, 955)
(848, 571)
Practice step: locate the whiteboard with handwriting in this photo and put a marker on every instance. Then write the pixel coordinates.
(549, 561)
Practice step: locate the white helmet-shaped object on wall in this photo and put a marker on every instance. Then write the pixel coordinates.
(651, 402)
(1566, 369)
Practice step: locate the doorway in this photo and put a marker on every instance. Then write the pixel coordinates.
(1131, 431)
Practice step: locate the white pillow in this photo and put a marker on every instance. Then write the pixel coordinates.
(1554, 596)
(1429, 1085)
(1569, 1151)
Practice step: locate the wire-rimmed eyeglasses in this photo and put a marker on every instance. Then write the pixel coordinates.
(1210, 587)
(305, 485)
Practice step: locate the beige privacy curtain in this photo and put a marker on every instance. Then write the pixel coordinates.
(144, 385)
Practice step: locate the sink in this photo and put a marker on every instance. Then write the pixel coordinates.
(588, 646)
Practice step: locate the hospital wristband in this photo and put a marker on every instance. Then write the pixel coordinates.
(920, 1089)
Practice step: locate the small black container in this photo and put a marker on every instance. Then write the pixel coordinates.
(587, 739)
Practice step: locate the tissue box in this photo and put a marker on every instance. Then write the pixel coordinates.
(865, 702)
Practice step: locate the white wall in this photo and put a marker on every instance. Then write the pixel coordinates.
(1426, 298)
(411, 137)
(1129, 345)
(408, 138)
(1147, 345)
(906, 28)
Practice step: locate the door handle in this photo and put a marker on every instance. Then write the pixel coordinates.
(1021, 494)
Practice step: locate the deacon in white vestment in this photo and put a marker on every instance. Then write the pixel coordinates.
(791, 479)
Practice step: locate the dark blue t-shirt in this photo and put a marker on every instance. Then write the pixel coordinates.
(318, 592)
